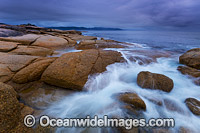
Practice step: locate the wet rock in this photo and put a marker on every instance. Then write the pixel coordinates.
(50, 42)
(191, 58)
(40, 95)
(150, 80)
(192, 72)
(25, 39)
(194, 105)
(71, 70)
(97, 44)
(7, 46)
(32, 50)
(189, 71)
(9, 108)
(5, 73)
(32, 72)
(133, 99)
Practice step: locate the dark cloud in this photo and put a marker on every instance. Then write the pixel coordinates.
(115, 13)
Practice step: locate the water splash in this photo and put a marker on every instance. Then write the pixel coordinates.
(121, 77)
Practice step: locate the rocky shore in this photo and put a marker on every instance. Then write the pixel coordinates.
(29, 71)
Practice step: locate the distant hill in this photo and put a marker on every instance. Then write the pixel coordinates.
(83, 28)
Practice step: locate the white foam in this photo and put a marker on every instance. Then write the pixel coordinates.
(121, 77)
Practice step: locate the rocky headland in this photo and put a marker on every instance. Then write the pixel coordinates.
(29, 70)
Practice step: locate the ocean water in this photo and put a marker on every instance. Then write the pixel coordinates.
(121, 77)
(178, 41)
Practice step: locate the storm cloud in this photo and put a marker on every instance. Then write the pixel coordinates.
(107, 13)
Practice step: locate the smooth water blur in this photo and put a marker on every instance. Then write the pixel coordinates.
(121, 77)
(178, 41)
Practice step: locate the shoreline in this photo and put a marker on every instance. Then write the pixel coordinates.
(30, 70)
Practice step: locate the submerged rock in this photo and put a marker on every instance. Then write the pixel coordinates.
(150, 80)
(194, 105)
(191, 58)
(146, 56)
(173, 106)
(197, 81)
(71, 70)
(185, 130)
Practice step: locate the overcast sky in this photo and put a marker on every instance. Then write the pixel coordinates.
(104, 13)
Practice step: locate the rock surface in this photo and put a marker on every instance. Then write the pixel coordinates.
(32, 72)
(71, 70)
(81, 37)
(7, 46)
(10, 116)
(25, 39)
(51, 42)
(191, 58)
(194, 105)
(189, 71)
(16, 62)
(5, 73)
(8, 32)
(150, 80)
(133, 99)
(71, 42)
(32, 50)
(97, 44)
